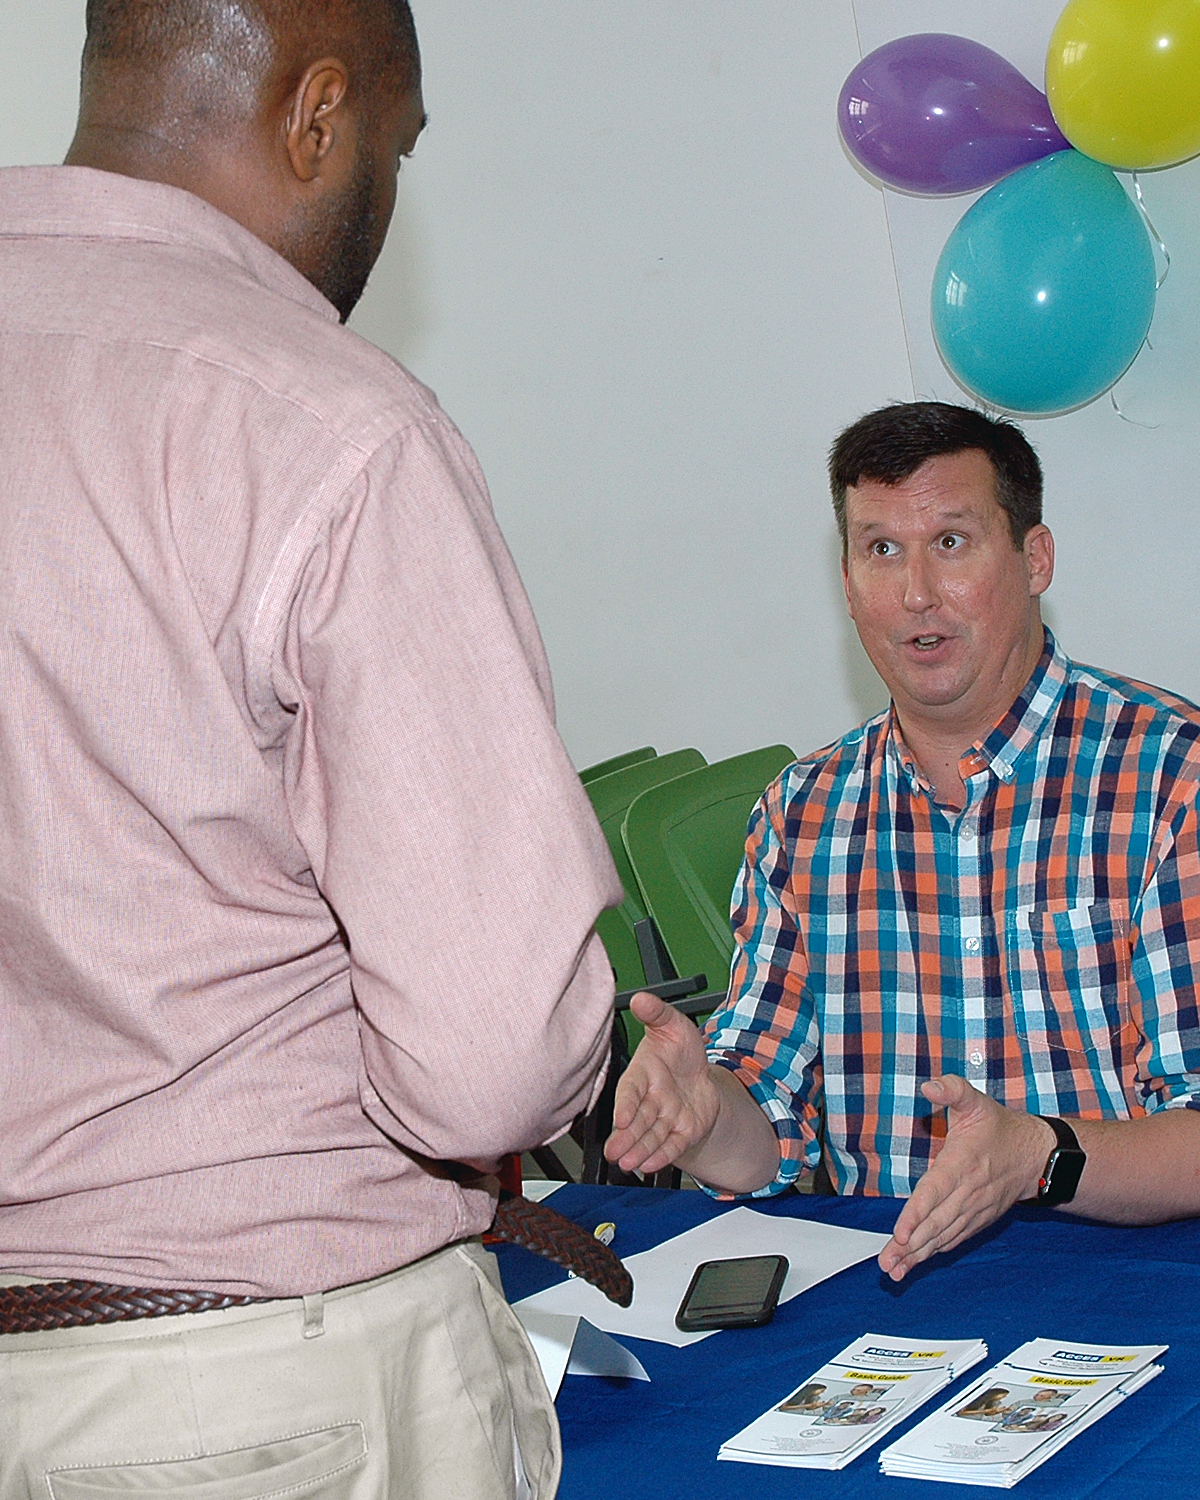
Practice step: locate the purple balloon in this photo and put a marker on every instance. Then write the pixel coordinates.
(942, 114)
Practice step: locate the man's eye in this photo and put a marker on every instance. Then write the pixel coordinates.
(883, 549)
(951, 542)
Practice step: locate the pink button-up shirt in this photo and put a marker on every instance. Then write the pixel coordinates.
(297, 884)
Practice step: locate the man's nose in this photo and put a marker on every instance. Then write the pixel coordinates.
(920, 585)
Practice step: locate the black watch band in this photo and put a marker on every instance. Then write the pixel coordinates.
(1064, 1166)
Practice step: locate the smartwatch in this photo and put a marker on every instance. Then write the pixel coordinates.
(1064, 1166)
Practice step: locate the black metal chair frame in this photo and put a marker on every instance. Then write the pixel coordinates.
(688, 995)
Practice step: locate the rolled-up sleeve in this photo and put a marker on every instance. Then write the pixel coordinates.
(1166, 957)
(767, 1032)
(446, 826)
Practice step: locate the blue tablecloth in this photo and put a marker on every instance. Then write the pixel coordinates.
(1034, 1274)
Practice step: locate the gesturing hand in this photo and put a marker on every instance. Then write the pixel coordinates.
(992, 1156)
(667, 1101)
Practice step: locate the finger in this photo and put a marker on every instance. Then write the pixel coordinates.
(640, 1127)
(632, 1087)
(635, 1156)
(898, 1257)
(937, 1091)
(891, 1258)
(650, 1010)
(898, 1260)
(652, 1112)
(926, 1196)
(935, 1224)
(949, 1091)
(648, 1108)
(651, 1142)
(676, 1142)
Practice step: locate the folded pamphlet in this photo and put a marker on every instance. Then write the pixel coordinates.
(851, 1402)
(1021, 1412)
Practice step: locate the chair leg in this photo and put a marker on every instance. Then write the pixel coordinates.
(656, 961)
(597, 1126)
(547, 1158)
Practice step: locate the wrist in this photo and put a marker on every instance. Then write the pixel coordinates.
(712, 1107)
(1042, 1143)
(739, 1153)
(1058, 1179)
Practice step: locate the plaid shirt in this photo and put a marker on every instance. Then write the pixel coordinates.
(1043, 943)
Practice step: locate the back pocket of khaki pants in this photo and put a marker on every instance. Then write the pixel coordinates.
(310, 1463)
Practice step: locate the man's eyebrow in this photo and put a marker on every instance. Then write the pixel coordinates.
(862, 528)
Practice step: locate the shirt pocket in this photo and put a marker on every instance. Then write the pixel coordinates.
(1069, 976)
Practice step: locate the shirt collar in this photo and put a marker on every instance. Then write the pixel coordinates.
(80, 202)
(1000, 750)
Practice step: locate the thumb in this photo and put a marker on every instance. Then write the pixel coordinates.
(949, 1091)
(651, 1011)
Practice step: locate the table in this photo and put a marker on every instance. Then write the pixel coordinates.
(1034, 1273)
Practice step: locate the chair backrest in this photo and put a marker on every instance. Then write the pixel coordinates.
(611, 796)
(617, 763)
(685, 839)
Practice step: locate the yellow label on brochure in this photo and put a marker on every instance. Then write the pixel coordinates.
(1058, 1380)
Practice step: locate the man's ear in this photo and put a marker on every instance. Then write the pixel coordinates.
(1039, 553)
(846, 587)
(316, 117)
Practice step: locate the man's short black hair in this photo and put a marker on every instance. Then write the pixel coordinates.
(149, 34)
(891, 444)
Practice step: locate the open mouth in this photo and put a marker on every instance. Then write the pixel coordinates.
(927, 642)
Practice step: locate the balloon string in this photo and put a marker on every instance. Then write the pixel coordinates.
(1154, 234)
(1133, 422)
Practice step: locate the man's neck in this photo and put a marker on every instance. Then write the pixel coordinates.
(937, 757)
(938, 736)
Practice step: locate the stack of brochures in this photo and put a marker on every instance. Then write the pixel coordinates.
(1021, 1412)
(850, 1403)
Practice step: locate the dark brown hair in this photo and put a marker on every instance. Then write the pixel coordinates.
(892, 443)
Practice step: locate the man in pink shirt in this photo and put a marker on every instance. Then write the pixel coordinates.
(297, 887)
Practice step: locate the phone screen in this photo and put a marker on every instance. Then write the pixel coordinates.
(733, 1289)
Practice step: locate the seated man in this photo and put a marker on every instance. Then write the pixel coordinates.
(974, 914)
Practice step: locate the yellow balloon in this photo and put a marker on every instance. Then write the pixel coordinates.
(1123, 80)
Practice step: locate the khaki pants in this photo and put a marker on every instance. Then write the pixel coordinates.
(418, 1386)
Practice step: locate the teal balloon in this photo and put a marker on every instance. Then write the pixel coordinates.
(1045, 290)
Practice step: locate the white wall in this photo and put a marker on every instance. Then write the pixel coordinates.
(634, 264)
(40, 41)
(634, 261)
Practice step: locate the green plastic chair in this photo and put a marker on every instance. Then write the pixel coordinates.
(685, 839)
(611, 796)
(617, 763)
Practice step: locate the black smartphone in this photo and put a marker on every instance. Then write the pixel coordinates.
(732, 1293)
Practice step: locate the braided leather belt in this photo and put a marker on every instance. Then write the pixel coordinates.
(82, 1304)
(538, 1228)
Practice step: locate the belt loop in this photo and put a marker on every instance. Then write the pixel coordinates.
(314, 1315)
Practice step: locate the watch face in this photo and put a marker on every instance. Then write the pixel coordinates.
(1061, 1177)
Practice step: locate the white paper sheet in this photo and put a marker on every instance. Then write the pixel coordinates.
(537, 1188)
(661, 1276)
(573, 1346)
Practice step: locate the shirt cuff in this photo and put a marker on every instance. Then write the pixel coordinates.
(799, 1149)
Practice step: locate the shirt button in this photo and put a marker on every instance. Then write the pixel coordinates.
(972, 945)
(966, 834)
(976, 1059)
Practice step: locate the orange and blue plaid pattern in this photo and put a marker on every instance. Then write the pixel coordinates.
(1043, 943)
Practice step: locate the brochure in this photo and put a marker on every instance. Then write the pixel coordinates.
(1021, 1412)
(851, 1402)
